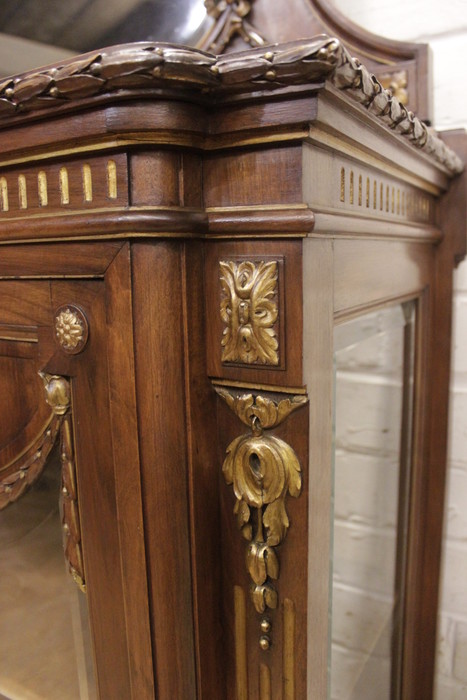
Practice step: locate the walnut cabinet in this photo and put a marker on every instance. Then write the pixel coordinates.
(187, 244)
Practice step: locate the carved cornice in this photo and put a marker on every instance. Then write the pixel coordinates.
(138, 68)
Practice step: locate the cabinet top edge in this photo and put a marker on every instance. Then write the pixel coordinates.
(154, 69)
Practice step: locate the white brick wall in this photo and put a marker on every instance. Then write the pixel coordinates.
(368, 419)
(444, 27)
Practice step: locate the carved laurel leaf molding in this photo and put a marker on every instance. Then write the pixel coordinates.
(149, 66)
(263, 469)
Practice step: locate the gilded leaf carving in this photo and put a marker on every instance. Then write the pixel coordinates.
(264, 597)
(269, 413)
(262, 469)
(262, 562)
(276, 521)
(249, 312)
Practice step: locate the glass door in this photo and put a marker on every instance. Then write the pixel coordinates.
(44, 629)
(374, 362)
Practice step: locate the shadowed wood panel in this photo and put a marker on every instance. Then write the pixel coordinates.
(157, 308)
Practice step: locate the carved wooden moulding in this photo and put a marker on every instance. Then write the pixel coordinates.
(249, 311)
(139, 68)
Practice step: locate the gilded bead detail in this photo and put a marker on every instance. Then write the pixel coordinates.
(265, 625)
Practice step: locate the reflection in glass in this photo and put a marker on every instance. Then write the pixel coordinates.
(44, 635)
(181, 22)
(374, 378)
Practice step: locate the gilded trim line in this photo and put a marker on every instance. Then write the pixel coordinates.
(288, 647)
(3, 194)
(265, 690)
(22, 192)
(42, 188)
(241, 662)
(87, 182)
(64, 188)
(112, 179)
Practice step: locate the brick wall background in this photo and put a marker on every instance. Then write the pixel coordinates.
(369, 397)
(443, 25)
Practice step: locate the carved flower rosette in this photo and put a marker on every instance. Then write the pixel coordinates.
(263, 469)
(71, 329)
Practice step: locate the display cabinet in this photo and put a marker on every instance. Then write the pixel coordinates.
(225, 302)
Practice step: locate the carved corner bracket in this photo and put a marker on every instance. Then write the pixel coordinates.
(58, 396)
(263, 469)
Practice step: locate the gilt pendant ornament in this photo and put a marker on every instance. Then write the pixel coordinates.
(263, 469)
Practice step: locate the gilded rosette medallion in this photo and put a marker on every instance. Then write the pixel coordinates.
(71, 329)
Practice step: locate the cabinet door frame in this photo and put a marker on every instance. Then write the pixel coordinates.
(345, 279)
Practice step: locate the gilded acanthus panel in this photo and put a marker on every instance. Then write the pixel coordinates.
(250, 311)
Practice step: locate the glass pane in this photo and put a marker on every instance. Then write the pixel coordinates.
(373, 394)
(44, 634)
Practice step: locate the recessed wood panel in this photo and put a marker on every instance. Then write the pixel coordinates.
(263, 176)
(374, 272)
